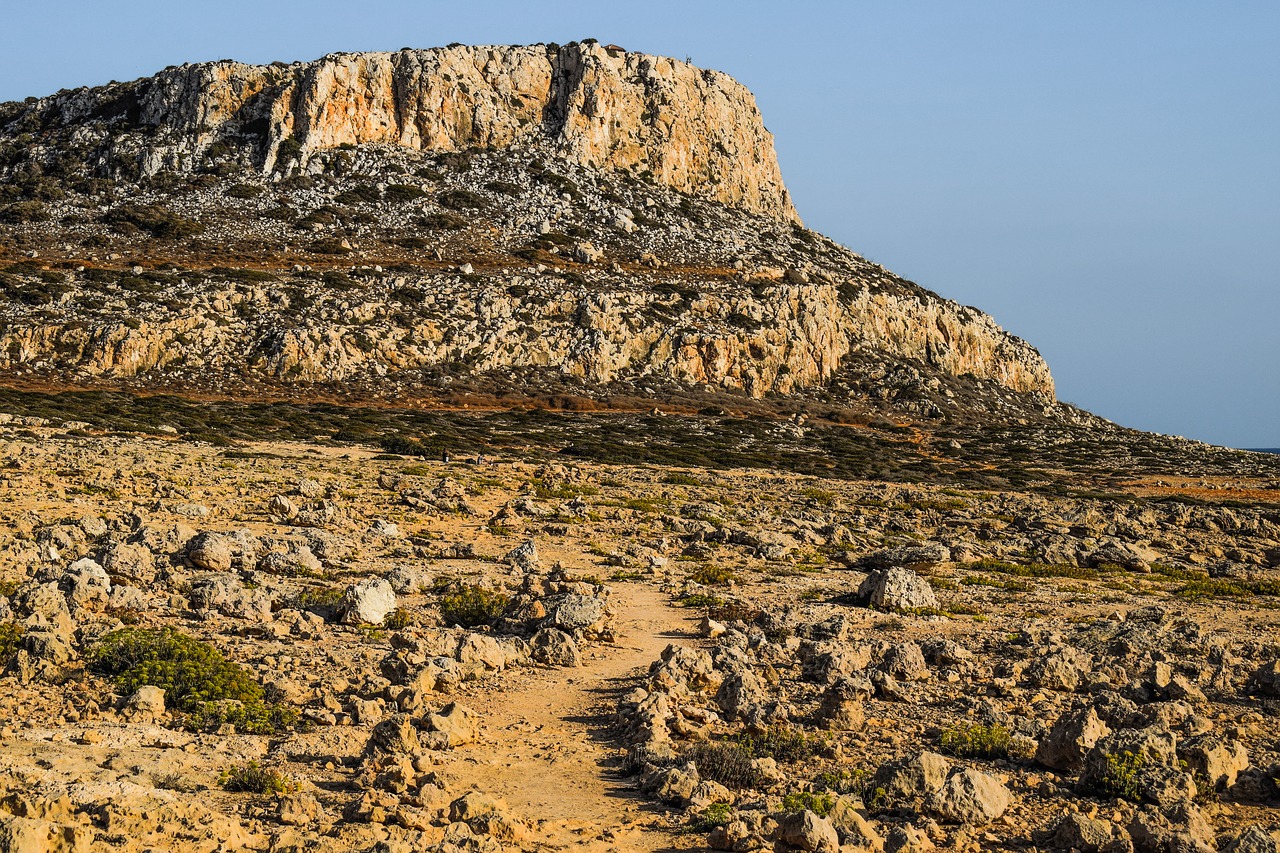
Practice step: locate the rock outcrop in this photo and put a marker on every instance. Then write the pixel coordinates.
(694, 130)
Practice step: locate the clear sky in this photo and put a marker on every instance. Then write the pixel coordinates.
(1103, 177)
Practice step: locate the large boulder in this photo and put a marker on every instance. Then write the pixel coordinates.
(554, 647)
(739, 692)
(394, 735)
(805, 831)
(905, 662)
(971, 797)
(1087, 834)
(129, 563)
(1218, 761)
(896, 589)
(454, 725)
(211, 551)
(1071, 738)
(368, 602)
(842, 704)
(909, 779)
(919, 556)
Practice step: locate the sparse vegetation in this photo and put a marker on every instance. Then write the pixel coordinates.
(470, 605)
(252, 778)
(975, 740)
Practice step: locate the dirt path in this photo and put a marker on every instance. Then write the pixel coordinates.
(551, 757)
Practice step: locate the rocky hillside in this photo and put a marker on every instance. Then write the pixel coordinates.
(401, 221)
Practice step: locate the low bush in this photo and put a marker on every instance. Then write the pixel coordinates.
(191, 672)
(470, 605)
(403, 192)
(398, 619)
(820, 803)
(154, 219)
(709, 575)
(1119, 779)
(713, 816)
(197, 679)
(976, 741)
(782, 744)
(461, 200)
(727, 763)
(10, 641)
(252, 778)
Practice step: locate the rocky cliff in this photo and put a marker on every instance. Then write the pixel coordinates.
(693, 130)
(401, 219)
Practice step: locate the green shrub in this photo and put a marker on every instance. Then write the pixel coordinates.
(699, 599)
(10, 641)
(709, 575)
(24, 211)
(254, 718)
(1225, 588)
(289, 149)
(255, 779)
(677, 478)
(1119, 778)
(244, 191)
(191, 672)
(843, 781)
(782, 744)
(403, 192)
(444, 222)
(321, 599)
(820, 803)
(976, 741)
(470, 605)
(713, 816)
(330, 246)
(398, 619)
(1035, 570)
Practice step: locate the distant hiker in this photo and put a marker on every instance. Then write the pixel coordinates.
(444, 456)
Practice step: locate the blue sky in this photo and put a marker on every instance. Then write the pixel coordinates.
(1101, 177)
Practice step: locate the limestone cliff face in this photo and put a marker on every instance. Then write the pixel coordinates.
(693, 130)
(795, 337)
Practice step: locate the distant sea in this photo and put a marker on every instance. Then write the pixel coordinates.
(1264, 449)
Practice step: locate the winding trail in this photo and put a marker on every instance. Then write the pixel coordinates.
(549, 751)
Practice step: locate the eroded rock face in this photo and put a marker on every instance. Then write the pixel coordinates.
(695, 130)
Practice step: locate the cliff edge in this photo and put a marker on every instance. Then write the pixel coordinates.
(694, 130)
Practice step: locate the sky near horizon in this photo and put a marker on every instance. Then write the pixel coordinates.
(1103, 178)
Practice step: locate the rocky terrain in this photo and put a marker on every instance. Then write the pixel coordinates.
(469, 450)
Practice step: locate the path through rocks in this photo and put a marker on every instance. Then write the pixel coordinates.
(549, 752)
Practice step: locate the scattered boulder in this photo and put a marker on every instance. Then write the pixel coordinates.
(395, 735)
(454, 725)
(913, 778)
(211, 551)
(896, 589)
(971, 797)
(1216, 760)
(1071, 739)
(842, 704)
(1254, 839)
(554, 647)
(368, 602)
(905, 662)
(805, 831)
(524, 556)
(1083, 833)
(912, 557)
(145, 705)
